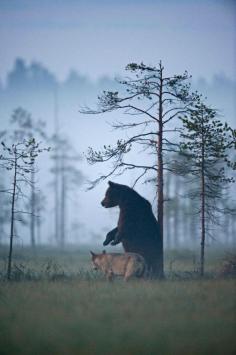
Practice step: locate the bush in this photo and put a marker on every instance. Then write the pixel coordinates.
(229, 266)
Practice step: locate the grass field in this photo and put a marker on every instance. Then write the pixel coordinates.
(58, 306)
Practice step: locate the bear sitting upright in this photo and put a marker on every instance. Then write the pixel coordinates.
(137, 228)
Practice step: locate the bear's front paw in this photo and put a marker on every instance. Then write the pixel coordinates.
(115, 242)
(109, 238)
(106, 242)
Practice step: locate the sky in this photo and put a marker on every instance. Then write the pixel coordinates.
(100, 37)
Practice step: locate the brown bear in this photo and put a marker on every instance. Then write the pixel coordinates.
(137, 228)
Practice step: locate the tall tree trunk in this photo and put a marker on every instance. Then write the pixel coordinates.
(192, 224)
(38, 221)
(56, 182)
(56, 191)
(232, 230)
(203, 230)
(32, 218)
(1, 217)
(63, 207)
(185, 223)
(226, 239)
(12, 219)
(160, 205)
(203, 226)
(167, 211)
(1, 233)
(176, 224)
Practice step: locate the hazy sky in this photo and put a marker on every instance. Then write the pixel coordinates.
(101, 37)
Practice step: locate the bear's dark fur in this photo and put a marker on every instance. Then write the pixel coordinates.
(137, 228)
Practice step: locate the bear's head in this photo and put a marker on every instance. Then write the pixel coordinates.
(112, 196)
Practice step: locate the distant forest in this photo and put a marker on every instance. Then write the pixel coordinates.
(35, 78)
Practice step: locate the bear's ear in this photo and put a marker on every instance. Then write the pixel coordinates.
(104, 251)
(112, 184)
(92, 253)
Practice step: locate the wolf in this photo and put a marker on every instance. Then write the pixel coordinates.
(126, 264)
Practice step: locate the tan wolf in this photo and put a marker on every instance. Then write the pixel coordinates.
(126, 264)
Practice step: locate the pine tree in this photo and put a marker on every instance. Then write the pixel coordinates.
(207, 144)
(25, 127)
(153, 100)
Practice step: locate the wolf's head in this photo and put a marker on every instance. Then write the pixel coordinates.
(97, 259)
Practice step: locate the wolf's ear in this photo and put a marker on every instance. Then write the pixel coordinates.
(104, 251)
(92, 253)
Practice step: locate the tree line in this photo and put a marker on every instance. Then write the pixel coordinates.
(35, 77)
(22, 201)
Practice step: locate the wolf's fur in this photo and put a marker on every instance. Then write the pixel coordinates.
(127, 264)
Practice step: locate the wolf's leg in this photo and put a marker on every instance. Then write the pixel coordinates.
(110, 236)
(129, 272)
(110, 275)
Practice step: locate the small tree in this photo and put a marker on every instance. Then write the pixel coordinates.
(18, 160)
(153, 100)
(207, 144)
(3, 210)
(25, 127)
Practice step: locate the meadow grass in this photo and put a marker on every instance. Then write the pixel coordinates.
(81, 313)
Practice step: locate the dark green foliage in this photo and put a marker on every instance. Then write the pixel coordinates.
(148, 101)
(203, 132)
(207, 146)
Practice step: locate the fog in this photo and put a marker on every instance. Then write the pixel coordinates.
(56, 60)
